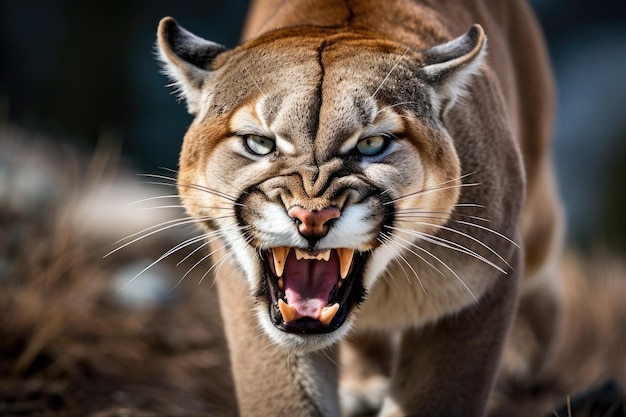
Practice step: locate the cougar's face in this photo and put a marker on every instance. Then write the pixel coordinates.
(301, 155)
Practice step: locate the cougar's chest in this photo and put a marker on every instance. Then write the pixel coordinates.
(413, 292)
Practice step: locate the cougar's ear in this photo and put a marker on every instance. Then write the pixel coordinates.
(186, 59)
(449, 67)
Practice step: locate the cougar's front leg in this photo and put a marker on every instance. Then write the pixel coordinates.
(269, 380)
(366, 361)
(536, 333)
(448, 368)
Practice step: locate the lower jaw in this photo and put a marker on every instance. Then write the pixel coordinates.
(305, 342)
(308, 325)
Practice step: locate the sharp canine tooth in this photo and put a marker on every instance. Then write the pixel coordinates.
(280, 257)
(327, 313)
(345, 260)
(288, 312)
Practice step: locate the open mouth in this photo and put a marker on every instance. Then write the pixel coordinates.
(311, 292)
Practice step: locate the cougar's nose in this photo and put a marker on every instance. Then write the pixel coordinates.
(315, 223)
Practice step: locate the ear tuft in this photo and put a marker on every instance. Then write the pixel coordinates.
(450, 66)
(186, 59)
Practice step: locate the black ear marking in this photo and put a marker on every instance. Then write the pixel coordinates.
(186, 48)
(187, 59)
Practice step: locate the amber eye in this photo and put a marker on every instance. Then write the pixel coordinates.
(372, 145)
(259, 145)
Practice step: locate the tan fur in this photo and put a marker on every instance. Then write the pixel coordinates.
(467, 140)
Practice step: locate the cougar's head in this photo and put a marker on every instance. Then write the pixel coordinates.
(306, 143)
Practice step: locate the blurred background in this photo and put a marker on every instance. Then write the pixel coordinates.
(77, 72)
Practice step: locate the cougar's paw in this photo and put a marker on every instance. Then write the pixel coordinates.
(363, 397)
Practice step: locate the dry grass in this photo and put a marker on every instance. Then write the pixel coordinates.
(70, 346)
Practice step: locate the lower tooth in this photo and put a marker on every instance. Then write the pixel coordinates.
(287, 311)
(328, 313)
(281, 283)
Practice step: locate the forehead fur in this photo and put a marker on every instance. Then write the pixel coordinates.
(315, 85)
(301, 59)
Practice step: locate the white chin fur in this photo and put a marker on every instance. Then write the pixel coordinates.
(300, 342)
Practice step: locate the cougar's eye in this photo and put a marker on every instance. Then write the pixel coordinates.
(259, 145)
(372, 145)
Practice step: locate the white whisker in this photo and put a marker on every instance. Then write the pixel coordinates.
(439, 241)
(253, 80)
(417, 254)
(407, 212)
(490, 231)
(174, 249)
(180, 206)
(394, 255)
(450, 229)
(395, 105)
(177, 206)
(226, 256)
(159, 197)
(205, 257)
(436, 187)
(443, 264)
(246, 240)
(207, 242)
(185, 219)
(186, 185)
(211, 268)
(401, 216)
(323, 351)
(390, 71)
(199, 188)
(469, 205)
(430, 190)
(161, 227)
(162, 197)
(409, 265)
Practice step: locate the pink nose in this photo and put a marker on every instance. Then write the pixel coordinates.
(313, 223)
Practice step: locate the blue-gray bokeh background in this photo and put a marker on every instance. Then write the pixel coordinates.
(79, 70)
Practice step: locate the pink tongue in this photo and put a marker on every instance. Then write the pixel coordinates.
(308, 283)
